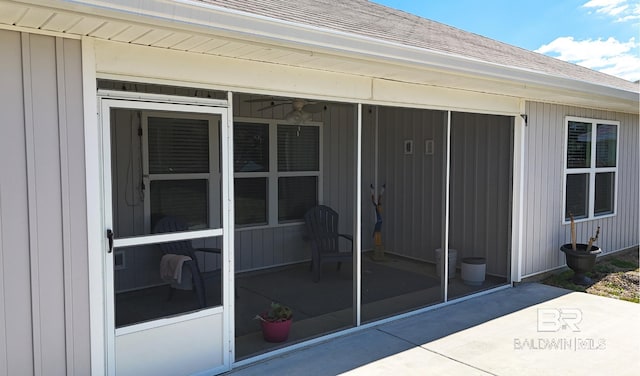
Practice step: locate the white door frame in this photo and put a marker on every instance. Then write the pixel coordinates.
(143, 101)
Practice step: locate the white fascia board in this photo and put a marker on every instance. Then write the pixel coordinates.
(205, 18)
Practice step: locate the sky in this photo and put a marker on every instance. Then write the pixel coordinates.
(603, 35)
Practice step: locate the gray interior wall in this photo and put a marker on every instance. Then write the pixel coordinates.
(44, 320)
(412, 202)
(481, 188)
(543, 231)
(481, 183)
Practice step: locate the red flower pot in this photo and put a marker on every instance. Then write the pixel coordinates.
(276, 331)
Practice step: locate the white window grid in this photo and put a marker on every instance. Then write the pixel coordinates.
(591, 170)
(273, 174)
(213, 176)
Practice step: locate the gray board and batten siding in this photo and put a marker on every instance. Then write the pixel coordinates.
(412, 202)
(480, 188)
(543, 228)
(44, 289)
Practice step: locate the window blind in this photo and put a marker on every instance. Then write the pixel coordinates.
(298, 148)
(178, 145)
(579, 145)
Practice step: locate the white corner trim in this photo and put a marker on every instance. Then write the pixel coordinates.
(517, 216)
(95, 224)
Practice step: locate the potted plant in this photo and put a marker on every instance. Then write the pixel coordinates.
(581, 258)
(276, 322)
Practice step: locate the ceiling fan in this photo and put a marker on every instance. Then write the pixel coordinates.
(302, 108)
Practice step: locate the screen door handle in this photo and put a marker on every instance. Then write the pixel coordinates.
(110, 238)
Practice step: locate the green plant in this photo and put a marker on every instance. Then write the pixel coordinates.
(276, 313)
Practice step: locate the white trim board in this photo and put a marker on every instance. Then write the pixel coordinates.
(146, 63)
(95, 224)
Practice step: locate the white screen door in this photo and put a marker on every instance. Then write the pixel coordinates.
(167, 188)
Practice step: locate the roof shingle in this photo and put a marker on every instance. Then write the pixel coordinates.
(368, 19)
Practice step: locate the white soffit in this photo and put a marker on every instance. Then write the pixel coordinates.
(224, 72)
(194, 27)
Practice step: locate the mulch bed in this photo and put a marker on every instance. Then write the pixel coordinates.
(615, 276)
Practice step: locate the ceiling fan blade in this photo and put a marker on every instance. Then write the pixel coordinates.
(271, 106)
(267, 99)
(314, 107)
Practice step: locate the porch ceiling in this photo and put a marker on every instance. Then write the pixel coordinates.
(186, 26)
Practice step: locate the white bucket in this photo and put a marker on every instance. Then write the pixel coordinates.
(453, 256)
(473, 270)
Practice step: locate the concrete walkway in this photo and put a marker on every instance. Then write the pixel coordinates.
(531, 329)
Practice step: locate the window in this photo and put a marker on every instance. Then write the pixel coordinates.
(590, 168)
(180, 168)
(277, 171)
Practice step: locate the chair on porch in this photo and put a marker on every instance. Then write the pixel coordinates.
(322, 228)
(185, 248)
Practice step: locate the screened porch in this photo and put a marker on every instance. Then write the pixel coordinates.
(289, 155)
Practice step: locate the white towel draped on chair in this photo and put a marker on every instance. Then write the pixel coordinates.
(172, 270)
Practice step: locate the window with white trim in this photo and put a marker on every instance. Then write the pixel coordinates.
(591, 168)
(277, 171)
(181, 168)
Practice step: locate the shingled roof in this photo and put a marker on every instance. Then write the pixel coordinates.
(368, 19)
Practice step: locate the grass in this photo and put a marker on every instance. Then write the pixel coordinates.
(616, 276)
(623, 264)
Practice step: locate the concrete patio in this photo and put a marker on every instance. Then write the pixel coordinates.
(531, 329)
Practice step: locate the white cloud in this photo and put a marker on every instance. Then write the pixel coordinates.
(603, 3)
(632, 14)
(618, 10)
(609, 56)
(623, 10)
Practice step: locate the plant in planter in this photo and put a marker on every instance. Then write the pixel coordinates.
(276, 322)
(581, 258)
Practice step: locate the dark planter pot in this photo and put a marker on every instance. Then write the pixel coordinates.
(581, 262)
(277, 331)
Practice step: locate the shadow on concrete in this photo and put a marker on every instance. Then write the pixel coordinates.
(355, 350)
